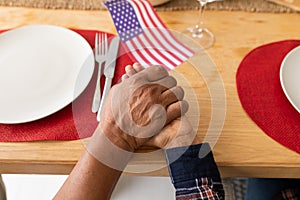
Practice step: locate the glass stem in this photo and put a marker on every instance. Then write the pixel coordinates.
(199, 26)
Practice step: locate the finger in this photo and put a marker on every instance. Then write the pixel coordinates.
(128, 67)
(130, 71)
(124, 77)
(176, 110)
(154, 73)
(167, 82)
(171, 96)
(138, 67)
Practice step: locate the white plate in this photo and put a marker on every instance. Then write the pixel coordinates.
(290, 77)
(39, 71)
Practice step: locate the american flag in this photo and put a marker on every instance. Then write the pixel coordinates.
(145, 35)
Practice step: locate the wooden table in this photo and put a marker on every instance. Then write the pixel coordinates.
(242, 150)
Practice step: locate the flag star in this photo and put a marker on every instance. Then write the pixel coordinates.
(125, 19)
(125, 14)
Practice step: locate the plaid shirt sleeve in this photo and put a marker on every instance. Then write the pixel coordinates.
(194, 173)
(288, 194)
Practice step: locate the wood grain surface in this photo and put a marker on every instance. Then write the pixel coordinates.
(242, 150)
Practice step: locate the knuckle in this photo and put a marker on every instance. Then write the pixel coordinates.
(160, 69)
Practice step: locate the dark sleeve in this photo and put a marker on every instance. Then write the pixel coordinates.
(288, 194)
(194, 172)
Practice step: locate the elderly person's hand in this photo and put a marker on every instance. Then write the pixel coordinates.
(135, 113)
(178, 131)
(140, 106)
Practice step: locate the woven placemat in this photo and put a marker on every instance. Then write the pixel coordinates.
(243, 5)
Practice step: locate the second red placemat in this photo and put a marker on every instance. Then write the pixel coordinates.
(261, 94)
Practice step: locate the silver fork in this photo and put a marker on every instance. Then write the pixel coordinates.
(101, 48)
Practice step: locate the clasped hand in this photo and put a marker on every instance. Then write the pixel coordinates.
(139, 108)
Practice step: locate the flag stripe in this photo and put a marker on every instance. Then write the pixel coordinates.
(135, 53)
(155, 41)
(168, 39)
(176, 46)
(155, 35)
(167, 33)
(157, 23)
(158, 54)
(173, 61)
(145, 35)
(164, 45)
(150, 51)
(138, 47)
(150, 13)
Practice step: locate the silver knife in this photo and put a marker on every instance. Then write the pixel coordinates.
(109, 70)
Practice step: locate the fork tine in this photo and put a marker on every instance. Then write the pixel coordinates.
(102, 44)
(96, 44)
(106, 43)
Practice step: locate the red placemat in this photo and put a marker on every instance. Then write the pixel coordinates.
(261, 94)
(73, 122)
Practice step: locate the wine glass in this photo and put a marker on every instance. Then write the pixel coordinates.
(199, 33)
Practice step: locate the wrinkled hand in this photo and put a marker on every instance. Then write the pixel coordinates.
(139, 107)
(177, 133)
